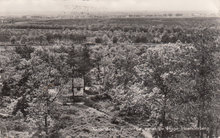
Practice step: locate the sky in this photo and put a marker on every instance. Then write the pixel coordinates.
(59, 6)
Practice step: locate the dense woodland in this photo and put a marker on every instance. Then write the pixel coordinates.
(153, 73)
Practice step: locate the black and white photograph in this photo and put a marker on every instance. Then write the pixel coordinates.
(109, 68)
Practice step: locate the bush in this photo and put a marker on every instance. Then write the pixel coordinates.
(17, 126)
(24, 51)
(98, 40)
(23, 39)
(101, 97)
(115, 40)
(13, 39)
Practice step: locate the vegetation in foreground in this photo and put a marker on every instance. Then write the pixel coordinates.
(159, 78)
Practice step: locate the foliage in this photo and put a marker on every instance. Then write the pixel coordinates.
(157, 75)
(24, 51)
(13, 39)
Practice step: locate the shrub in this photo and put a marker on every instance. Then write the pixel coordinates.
(98, 40)
(115, 40)
(13, 39)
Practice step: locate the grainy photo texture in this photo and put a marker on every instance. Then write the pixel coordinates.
(109, 68)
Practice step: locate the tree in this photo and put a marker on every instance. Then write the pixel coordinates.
(13, 39)
(22, 105)
(45, 74)
(42, 39)
(163, 71)
(96, 57)
(114, 40)
(203, 69)
(105, 39)
(71, 61)
(125, 61)
(85, 64)
(98, 40)
(23, 39)
(24, 51)
(29, 81)
(80, 62)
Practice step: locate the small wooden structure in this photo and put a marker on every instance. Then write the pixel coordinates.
(78, 86)
(77, 91)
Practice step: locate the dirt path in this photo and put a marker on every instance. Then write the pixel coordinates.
(145, 133)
